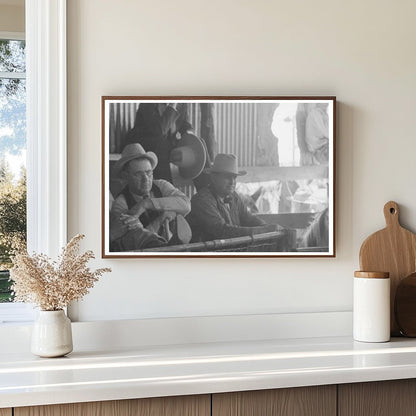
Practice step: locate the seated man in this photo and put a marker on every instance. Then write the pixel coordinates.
(218, 211)
(141, 213)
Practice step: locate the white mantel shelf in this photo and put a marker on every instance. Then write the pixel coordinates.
(148, 371)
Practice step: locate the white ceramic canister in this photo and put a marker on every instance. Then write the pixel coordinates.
(371, 309)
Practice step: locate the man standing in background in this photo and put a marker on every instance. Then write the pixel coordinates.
(158, 127)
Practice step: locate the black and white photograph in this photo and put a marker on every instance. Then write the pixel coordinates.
(218, 176)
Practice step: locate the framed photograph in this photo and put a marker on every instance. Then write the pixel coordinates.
(218, 176)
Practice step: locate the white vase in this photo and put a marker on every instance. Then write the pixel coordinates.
(52, 334)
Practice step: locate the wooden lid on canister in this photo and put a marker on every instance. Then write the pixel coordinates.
(372, 275)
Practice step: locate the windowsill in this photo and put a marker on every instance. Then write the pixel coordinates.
(151, 371)
(16, 313)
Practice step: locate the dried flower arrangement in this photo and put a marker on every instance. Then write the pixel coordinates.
(52, 285)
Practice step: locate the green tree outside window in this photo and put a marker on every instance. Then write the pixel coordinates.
(12, 148)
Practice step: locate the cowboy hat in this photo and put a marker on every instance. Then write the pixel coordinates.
(225, 163)
(131, 152)
(190, 156)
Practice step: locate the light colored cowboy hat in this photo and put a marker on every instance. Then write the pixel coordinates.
(190, 156)
(225, 163)
(131, 152)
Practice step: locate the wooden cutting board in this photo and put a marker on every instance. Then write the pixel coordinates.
(392, 250)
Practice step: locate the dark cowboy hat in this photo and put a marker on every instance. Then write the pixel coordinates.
(225, 163)
(134, 151)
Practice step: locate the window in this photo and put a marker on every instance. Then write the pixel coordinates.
(12, 155)
(46, 135)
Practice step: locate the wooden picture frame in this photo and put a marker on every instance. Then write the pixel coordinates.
(277, 154)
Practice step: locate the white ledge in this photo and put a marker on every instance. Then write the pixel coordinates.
(154, 371)
(187, 330)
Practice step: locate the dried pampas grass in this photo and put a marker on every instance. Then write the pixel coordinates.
(53, 285)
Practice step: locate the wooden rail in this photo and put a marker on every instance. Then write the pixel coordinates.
(277, 241)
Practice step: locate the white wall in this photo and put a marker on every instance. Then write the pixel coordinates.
(361, 51)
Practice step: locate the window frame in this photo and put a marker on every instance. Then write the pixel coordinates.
(46, 125)
(46, 121)
(12, 35)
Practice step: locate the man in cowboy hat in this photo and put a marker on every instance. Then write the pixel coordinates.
(218, 211)
(141, 213)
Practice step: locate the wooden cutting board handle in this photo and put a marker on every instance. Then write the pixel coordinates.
(391, 214)
(393, 250)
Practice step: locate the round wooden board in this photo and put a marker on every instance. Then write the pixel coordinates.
(405, 306)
